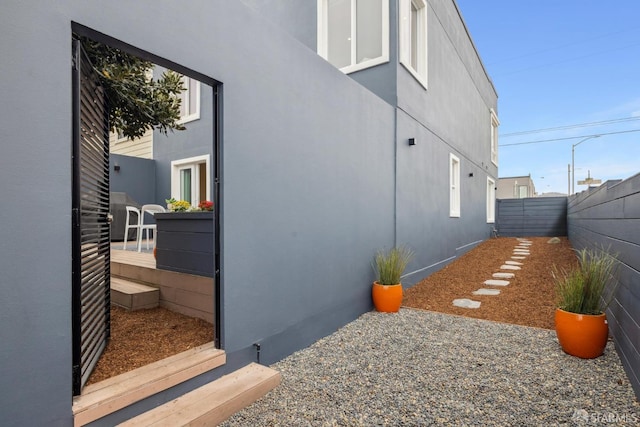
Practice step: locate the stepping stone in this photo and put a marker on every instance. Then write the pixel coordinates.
(509, 267)
(466, 303)
(486, 292)
(492, 282)
(518, 257)
(504, 275)
(512, 263)
(518, 251)
(522, 248)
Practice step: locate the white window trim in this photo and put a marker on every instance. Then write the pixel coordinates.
(323, 31)
(454, 186)
(494, 137)
(176, 165)
(196, 115)
(404, 25)
(491, 201)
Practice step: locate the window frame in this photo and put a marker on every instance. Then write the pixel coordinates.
(405, 31)
(454, 186)
(491, 200)
(186, 96)
(494, 137)
(191, 162)
(323, 32)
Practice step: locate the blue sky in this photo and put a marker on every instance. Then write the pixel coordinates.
(557, 63)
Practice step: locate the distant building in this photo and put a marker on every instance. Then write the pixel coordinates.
(515, 187)
(552, 194)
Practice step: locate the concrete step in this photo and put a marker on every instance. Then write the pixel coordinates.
(108, 396)
(212, 403)
(133, 295)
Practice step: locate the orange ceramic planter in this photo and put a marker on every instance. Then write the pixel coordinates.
(582, 335)
(387, 298)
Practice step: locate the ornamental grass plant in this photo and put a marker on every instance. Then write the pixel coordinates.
(582, 289)
(390, 265)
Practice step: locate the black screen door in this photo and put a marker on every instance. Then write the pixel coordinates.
(90, 220)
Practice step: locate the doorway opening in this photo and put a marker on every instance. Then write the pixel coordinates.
(198, 181)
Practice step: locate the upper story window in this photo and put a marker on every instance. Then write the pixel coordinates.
(454, 186)
(353, 34)
(190, 100)
(494, 137)
(413, 38)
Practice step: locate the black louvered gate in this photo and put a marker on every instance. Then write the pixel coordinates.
(90, 220)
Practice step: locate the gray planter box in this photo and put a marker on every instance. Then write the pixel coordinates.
(185, 242)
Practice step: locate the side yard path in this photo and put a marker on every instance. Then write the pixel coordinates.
(528, 299)
(435, 367)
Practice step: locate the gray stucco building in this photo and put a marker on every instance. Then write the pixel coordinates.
(319, 165)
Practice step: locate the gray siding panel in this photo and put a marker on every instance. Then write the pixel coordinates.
(545, 216)
(609, 217)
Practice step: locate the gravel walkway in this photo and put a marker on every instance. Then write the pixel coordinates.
(422, 368)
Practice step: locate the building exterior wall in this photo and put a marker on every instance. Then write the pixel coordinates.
(195, 140)
(136, 177)
(141, 147)
(314, 181)
(515, 187)
(607, 217)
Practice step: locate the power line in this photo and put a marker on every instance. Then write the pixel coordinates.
(571, 137)
(580, 125)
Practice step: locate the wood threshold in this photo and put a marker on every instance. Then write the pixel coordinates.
(214, 402)
(108, 396)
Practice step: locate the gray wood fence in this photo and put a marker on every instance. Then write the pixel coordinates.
(609, 217)
(536, 216)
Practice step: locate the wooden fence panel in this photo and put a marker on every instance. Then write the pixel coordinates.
(536, 216)
(609, 217)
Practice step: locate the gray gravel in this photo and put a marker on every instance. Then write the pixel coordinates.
(419, 368)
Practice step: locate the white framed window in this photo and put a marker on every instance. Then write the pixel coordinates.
(494, 137)
(353, 34)
(522, 192)
(454, 186)
(491, 200)
(413, 38)
(190, 179)
(189, 100)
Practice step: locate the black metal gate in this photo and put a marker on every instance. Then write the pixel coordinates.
(90, 220)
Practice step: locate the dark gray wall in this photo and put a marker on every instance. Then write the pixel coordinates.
(136, 177)
(541, 216)
(609, 217)
(312, 181)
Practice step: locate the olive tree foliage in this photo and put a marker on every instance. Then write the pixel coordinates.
(137, 102)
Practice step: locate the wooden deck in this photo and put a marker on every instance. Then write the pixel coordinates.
(140, 259)
(180, 292)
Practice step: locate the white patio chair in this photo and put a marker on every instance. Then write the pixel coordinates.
(146, 228)
(127, 226)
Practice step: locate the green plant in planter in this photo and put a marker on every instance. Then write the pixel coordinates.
(581, 290)
(390, 265)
